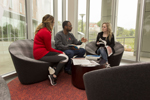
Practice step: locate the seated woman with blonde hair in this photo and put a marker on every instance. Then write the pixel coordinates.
(106, 37)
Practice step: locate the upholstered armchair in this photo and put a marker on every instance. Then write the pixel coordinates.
(126, 82)
(113, 60)
(28, 69)
(4, 90)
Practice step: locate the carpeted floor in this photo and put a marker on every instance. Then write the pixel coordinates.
(64, 90)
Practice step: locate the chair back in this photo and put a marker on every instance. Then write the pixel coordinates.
(29, 70)
(126, 82)
(91, 48)
(119, 48)
(21, 48)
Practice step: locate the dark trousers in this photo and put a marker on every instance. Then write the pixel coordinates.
(54, 57)
(71, 53)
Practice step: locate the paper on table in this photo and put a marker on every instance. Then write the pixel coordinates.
(80, 61)
(93, 62)
(83, 61)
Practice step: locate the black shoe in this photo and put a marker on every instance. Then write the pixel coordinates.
(68, 72)
(98, 59)
(52, 80)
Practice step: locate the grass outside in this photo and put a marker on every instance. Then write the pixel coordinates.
(128, 43)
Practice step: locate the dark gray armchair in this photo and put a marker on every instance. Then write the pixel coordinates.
(113, 60)
(127, 82)
(28, 69)
(4, 91)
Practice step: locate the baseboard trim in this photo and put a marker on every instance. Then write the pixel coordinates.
(5, 76)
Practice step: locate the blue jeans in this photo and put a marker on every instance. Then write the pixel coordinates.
(71, 54)
(101, 51)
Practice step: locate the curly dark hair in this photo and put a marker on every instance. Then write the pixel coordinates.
(65, 23)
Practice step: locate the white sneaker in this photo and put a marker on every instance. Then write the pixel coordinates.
(51, 70)
(108, 66)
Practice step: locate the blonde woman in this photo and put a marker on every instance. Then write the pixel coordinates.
(107, 36)
(42, 49)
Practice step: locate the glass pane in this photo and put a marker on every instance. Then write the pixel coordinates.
(12, 28)
(59, 15)
(95, 19)
(81, 18)
(126, 27)
(66, 9)
(40, 8)
(145, 48)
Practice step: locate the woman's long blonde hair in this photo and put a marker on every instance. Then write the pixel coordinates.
(47, 22)
(108, 30)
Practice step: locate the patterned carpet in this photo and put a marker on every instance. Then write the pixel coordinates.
(64, 90)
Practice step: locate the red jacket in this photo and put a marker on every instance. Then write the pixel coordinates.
(42, 44)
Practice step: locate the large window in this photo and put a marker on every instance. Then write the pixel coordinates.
(66, 9)
(145, 37)
(13, 25)
(41, 8)
(12, 28)
(59, 15)
(81, 18)
(126, 26)
(95, 19)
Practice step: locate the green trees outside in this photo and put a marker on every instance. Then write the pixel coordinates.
(125, 32)
(80, 26)
(1, 32)
(22, 29)
(11, 32)
(99, 23)
(126, 37)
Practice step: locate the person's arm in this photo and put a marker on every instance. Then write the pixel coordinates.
(75, 41)
(97, 39)
(58, 43)
(47, 42)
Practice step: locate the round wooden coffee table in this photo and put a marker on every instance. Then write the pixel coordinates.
(78, 71)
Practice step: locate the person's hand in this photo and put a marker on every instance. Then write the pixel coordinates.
(97, 43)
(73, 48)
(83, 40)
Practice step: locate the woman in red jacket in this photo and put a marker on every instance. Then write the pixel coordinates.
(42, 49)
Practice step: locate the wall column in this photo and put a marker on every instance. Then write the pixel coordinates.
(73, 15)
(30, 33)
(142, 36)
(109, 13)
